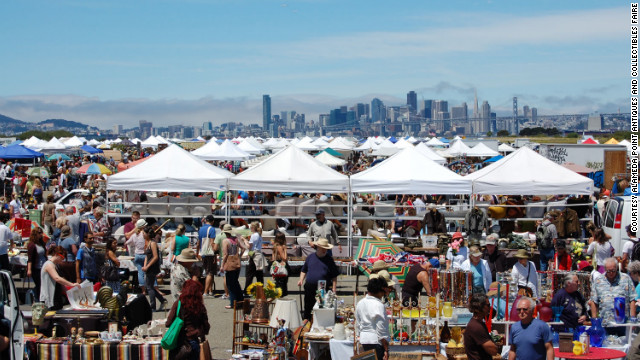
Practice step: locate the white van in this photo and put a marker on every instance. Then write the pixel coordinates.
(617, 216)
(10, 310)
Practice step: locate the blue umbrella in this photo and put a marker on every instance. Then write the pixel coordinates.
(494, 159)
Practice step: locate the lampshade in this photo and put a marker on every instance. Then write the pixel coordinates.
(286, 309)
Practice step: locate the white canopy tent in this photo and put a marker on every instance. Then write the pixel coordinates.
(527, 172)
(482, 150)
(320, 143)
(172, 169)
(403, 144)
(369, 144)
(291, 170)
(458, 148)
(249, 148)
(341, 144)
(329, 160)
(151, 142)
(73, 142)
(226, 151)
(55, 144)
(409, 172)
(208, 148)
(306, 144)
(435, 142)
(505, 148)
(428, 152)
(30, 141)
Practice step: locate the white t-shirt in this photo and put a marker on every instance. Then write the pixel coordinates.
(459, 258)
(16, 206)
(5, 239)
(602, 251)
(628, 248)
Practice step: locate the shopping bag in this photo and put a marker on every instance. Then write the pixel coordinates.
(170, 339)
(205, 351)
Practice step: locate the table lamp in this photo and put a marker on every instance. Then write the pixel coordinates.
(288, 310)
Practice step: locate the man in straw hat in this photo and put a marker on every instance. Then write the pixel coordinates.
(318, 266)
(183, 271)
(525, 274)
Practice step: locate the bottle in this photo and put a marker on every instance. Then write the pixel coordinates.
(445, 333)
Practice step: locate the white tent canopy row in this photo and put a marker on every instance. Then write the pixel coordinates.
(226, 151)
(409, 171)
(482, 150)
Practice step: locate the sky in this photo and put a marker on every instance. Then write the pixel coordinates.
(184, 62)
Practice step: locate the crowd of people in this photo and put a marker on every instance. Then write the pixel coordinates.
(69, 257)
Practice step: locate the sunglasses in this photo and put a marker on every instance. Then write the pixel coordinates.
(612, 271)
(522, 309)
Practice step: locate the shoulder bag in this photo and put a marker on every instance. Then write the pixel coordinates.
(170, 339)
(279, 269)
(109, 272)
(526, 290)
(207, 249)
(232, 262)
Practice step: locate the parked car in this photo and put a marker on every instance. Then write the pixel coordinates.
(617, 215)
(10, 310)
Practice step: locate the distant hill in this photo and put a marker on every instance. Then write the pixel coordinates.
(5, 120)
(61, 123)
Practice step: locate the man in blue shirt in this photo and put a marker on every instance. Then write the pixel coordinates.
(317, 266)
(530, 338)
(207, 249)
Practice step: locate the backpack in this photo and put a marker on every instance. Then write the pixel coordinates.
(635, 252)
(543, 237)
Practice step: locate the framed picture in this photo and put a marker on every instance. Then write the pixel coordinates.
(113, 327)
(367, 355)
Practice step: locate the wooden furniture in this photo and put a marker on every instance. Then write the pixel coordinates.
(241, 324)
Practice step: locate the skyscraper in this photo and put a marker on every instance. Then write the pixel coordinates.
(266, 112)
(378, 111)
(412, 101)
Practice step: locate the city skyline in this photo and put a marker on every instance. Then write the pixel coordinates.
(188, 62)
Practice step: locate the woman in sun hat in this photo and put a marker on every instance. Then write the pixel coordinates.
(525, 273)
(318, 266)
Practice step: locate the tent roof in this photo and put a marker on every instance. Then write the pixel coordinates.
(482, 150)
(578, 168)
(505, 148)
(328, 159)
(435, 142)
(246, 146)
(458, 148)
(18, 152)
(226, 151)
(428, 152)
(525, 172)
(409, 172)
(494, 159)
(206, 149)
(403, 144)
(290, 170)
(306, 144)
(589, 141)
(370, 144)
(73, 142)
(611, 141)
(172, 169)
(54, 143)
(91, 149)
(332, 152)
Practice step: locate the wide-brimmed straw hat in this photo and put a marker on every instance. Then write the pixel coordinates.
(227, 228)
(387, 277)
(323, 243)
(187, 255)
(379, 265)
(522, 254)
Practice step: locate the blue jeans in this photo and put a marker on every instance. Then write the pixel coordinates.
(545, 256)
(139, 262)
(233, 284)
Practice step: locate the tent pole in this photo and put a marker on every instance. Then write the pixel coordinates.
(227, 212)
(349, 220)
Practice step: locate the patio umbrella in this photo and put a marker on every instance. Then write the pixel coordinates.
(58, 157)
(93, 169)
(38, 171)
(374, 247)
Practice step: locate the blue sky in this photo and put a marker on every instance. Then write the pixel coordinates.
(185, 62)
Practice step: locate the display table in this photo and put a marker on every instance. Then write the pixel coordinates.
(107, 351)
(594, 353)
